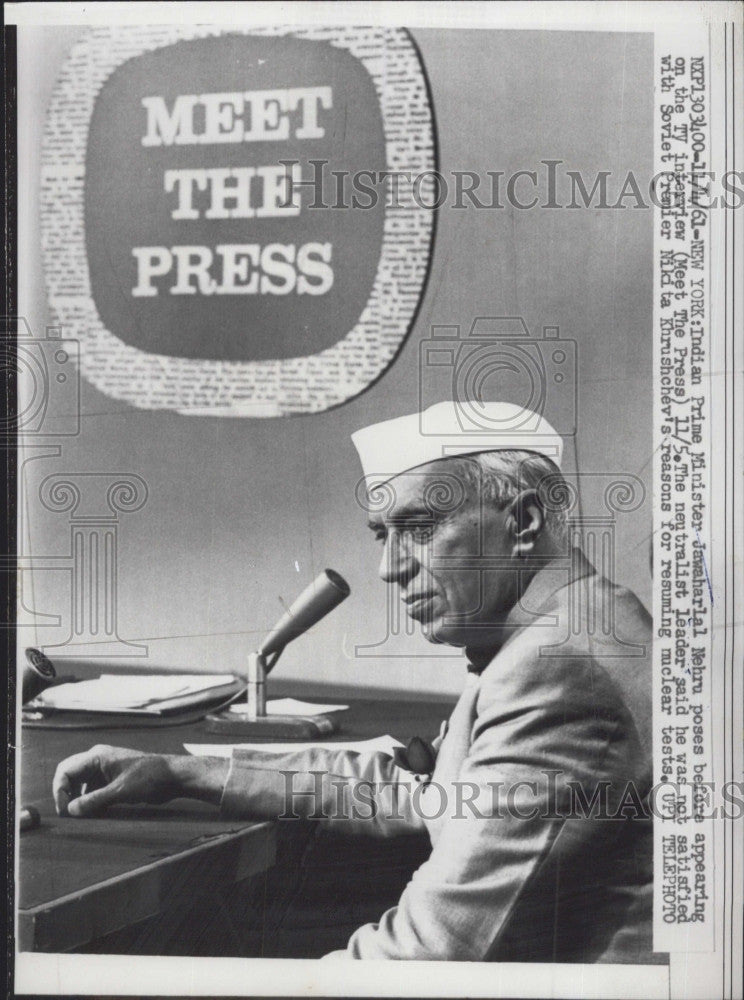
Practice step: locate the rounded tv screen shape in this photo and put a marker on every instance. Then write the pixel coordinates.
(238, 223)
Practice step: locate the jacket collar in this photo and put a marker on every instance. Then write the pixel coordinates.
(555, 574)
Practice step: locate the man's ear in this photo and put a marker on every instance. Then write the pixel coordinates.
(526, 520)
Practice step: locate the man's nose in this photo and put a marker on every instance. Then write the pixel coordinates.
(398, 563)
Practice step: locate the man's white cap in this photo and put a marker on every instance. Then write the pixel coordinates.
(452, 428)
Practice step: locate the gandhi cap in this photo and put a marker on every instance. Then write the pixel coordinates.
(451, 428)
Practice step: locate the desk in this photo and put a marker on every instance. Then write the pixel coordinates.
(128, 880)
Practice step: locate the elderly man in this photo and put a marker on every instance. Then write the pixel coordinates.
(535, 793)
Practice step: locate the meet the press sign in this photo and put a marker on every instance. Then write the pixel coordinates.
(265, 191)
(213, 269)
(202, 248)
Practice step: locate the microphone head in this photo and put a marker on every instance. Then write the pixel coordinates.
(334, 579)
(38, 674)
(321, 596)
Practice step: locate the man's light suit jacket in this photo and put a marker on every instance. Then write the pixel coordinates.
(541, 849)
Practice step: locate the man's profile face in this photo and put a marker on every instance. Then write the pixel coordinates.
(450, 553)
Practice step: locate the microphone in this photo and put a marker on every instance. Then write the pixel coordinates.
(325, 593)
(38, 674)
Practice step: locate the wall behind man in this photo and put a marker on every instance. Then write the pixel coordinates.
(241, 513)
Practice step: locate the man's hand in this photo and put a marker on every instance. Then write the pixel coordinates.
(86, 783)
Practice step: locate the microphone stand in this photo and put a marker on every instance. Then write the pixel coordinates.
(249, 718)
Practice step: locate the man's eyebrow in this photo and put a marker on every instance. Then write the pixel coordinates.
(415, 509)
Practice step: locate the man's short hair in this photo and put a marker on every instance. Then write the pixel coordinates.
(500, 476)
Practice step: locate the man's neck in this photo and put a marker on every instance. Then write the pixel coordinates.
(561, 565)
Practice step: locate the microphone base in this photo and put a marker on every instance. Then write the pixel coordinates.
(271, 727)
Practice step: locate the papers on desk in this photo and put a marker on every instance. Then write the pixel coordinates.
(149, 694)
(291, 706)
(380, 744)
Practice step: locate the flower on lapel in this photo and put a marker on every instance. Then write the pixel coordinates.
(418, 757)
